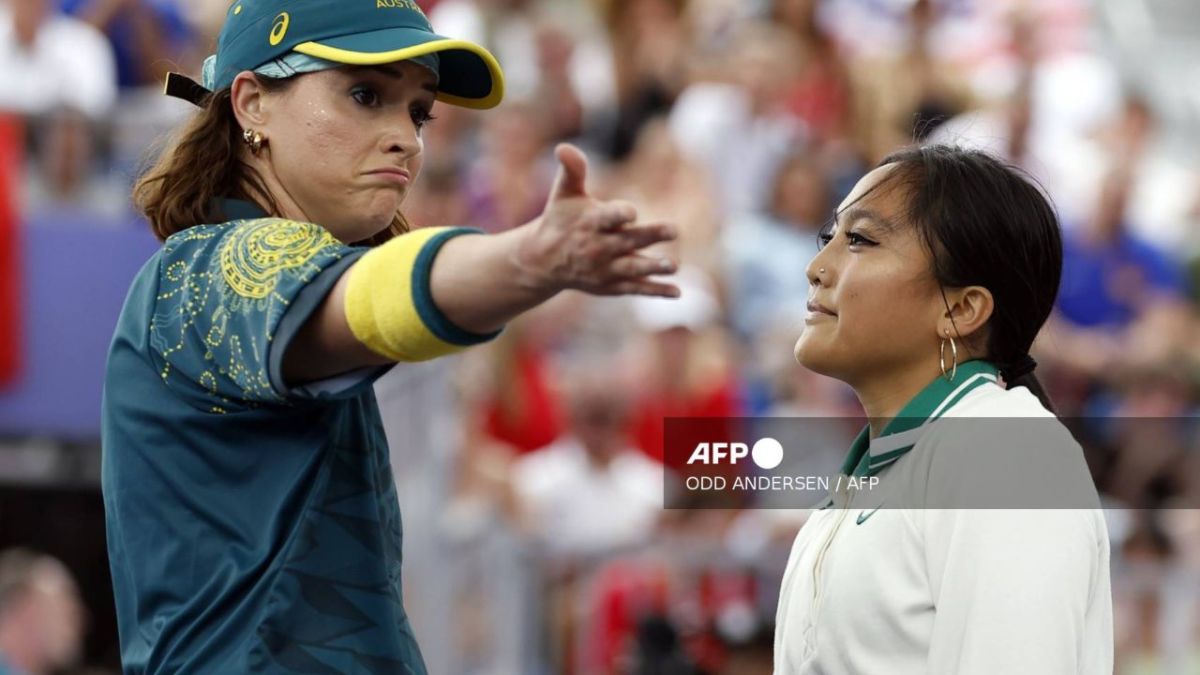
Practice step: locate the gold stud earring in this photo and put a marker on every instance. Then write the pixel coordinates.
(254, 139)
(953, 354)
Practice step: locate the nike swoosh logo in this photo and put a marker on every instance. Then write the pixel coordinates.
(863, 515)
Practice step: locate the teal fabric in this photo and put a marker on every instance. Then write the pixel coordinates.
(296, 63)
(372, 26)
(252, 528)
(431, 316)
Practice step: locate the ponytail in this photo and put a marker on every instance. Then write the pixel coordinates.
(1020, 374)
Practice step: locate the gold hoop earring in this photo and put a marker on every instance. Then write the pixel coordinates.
(254, 139)
(953, 355)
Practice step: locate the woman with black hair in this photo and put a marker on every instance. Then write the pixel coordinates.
(933, 279)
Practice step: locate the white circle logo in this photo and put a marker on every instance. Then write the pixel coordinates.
(767, 453)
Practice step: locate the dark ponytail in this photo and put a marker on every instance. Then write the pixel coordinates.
(1021, 375)
(988, 224)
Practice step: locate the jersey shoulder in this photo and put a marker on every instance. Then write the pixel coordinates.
(992, 400)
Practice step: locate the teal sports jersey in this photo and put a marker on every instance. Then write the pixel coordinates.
(252, 528)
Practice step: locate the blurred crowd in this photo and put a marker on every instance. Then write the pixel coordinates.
(543, 546)
(42, 617)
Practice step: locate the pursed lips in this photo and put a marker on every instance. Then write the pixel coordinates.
(394, 174)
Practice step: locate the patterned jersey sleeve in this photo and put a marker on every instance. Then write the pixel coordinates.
(218, 331)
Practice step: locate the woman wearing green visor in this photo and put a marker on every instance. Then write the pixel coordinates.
(253, 525)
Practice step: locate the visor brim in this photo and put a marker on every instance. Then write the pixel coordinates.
(469, 76)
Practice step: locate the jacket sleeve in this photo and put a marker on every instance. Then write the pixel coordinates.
(1017, 590)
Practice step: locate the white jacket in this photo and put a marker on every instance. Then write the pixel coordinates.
(963, 591)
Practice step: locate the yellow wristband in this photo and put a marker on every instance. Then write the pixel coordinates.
(389, 304)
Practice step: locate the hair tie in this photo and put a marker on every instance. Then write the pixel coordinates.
(1018, 369)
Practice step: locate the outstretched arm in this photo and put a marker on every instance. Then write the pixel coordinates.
(480, 282)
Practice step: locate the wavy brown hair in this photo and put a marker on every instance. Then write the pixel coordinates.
(203, 162)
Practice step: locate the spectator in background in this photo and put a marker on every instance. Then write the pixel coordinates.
(556, 90)
(588, 497)
(1112, 281)
(1180, 607)
(822, 97)
(591, 493)
(51, 62)
(667, 185)
(437, 198)
(508, 183)
(41, 615)
(687, 369)
(1143, 558)
(1150, 431)
(1055, 111)
(66, 152)
(821, 94)
(150, 37)
(766, 253)
(739, 128)
(1004, 124)
(58, 73)
(650, 41)
(903, 98)
(453, 142)
(518, 405)
(66, 173)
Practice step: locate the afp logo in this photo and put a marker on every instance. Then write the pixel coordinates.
(767, 453)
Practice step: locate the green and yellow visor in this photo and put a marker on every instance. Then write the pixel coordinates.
(258, 33)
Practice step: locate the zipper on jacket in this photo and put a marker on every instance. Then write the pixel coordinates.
(815, 604)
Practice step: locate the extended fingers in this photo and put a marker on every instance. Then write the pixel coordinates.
(643, 287)
(633, 267)
(612, 216)
(630, 239)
